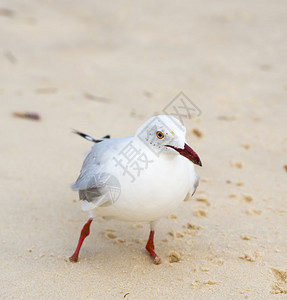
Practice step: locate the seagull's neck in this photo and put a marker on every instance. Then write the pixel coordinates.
(149, 150)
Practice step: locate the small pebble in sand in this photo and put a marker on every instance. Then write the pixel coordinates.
(250, 257)
(110, 235)
(210, 282)
(247, 257)
(27, 115)
(200, 213)
(237, 164)
(219, 261)
(203, 200)
(176, 234)
(52, 254)
(179, 235)
(90, 96)
(174, 257)
(165, 240)
(30, 250)
(195, 284)
(11, 57)
(171, 233)
(6, 12)
(119, 241)
(147, 93)
(245, 237)
(42, 255)
(247, 198)
(245, 146)
(204, 269)
(253, 211)
(239, 183)
(197, 132)
(285, 167)
(172, 216)
(193, 226)
(232, 196)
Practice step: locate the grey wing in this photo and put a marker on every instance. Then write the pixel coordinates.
(95, 186)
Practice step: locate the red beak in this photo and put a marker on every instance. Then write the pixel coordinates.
(188, 153)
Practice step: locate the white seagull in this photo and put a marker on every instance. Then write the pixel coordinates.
(141, 178)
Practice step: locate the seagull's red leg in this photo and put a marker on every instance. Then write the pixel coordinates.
(84, 233)
(150, 248)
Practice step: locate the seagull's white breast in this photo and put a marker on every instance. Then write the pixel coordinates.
(155, 192)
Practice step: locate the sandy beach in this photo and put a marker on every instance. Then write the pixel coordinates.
(106, 68)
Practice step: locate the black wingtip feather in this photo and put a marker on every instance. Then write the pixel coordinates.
(88, 137)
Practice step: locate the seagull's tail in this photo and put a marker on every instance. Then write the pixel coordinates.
(89, 138)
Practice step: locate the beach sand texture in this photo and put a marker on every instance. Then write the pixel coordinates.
(105, 68)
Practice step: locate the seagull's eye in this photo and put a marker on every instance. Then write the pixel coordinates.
(159, 135)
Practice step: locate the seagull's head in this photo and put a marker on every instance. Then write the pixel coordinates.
(166, 134)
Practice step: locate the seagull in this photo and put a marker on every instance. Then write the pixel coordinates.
(142, 178)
